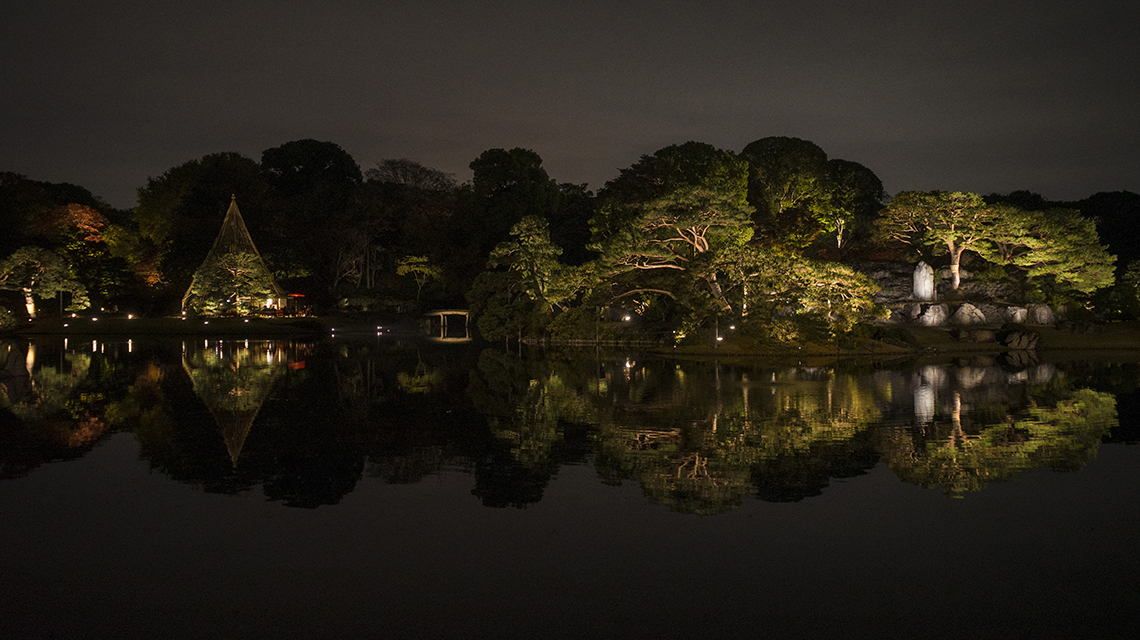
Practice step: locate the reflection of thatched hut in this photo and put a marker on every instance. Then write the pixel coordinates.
(233, 275)
(233, 382)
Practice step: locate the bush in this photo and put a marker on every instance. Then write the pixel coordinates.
(897, 336)
(7, 320)
(579, 323)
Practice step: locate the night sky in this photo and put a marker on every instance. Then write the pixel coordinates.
(973, 96)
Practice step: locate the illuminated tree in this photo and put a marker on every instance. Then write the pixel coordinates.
(852, 192)
(955, 222)
(39, 273)
(1055, 247)
(765, 279)
(230, 281)
(689, 166)
(531, 255)
(671, 232)
(787, 185)
(525, 282)
(177, 213)
(421, 269)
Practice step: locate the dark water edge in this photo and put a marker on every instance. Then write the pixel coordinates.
(140, 536)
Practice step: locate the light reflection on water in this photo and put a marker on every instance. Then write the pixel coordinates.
(269, 488)
(306, 421)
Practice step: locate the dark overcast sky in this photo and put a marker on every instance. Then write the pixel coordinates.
(974, 96)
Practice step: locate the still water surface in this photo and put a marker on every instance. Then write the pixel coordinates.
(379, 487)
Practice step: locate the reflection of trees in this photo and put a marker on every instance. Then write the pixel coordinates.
(304, 455)
(233, 381)
(52, 411)
(696, 436)
(518, 408)
(773, 433)
(956, 456)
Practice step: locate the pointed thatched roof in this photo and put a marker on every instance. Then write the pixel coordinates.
(233, 237)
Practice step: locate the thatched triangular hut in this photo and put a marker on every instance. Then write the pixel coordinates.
(233, 241)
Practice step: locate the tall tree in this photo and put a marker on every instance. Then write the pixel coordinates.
(507, 186)
(852, 193)
(664, 215)
(955, 222)
(788, 179)
(692, 164)
(179, 214)
(315, 228)
(407, 211)
(410, 173)
(1117, 216)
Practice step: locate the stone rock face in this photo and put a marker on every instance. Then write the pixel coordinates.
(923, 282)
(1041, 314)
(994, 314)
(1021, 340)
(912, 310)
(1020, 359)
(968, 314)
(975, 335)
(1016, 314)
(934, 316)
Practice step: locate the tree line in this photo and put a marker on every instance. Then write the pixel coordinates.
(769, 239)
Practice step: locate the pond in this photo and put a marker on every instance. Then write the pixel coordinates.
(379, 486)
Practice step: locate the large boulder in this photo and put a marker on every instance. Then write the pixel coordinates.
(994, 314)
(1042, 314)
(968, 314)
(1016, 314)
(1021, 340)
(934, 316)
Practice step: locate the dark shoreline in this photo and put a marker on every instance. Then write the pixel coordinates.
(1120, 338)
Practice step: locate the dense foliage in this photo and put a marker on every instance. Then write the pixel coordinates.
(679, 241)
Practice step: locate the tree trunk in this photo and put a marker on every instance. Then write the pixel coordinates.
(955, 274)
(30, 303)
(714, 287)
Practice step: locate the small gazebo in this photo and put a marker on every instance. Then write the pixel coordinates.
(236, 259)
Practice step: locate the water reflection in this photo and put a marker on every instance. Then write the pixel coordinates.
(306, 422)
(233, 380)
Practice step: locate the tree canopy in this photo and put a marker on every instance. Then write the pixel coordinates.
(39, 273)
(953, 222)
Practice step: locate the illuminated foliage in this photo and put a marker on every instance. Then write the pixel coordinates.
(1057, 248)
(39, 273)
(768, 280)
(236, 282)
(1062, 435)
(420, 269)
(953, 222)
(671, 232)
